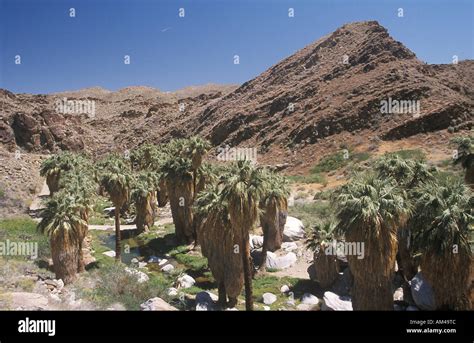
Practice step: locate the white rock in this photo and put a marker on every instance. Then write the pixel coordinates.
(309, 299)
(109, 253)
(256, 242)
(168, 268)
(333, 302)
(289, 246)
(294, 230)
(304, 307)
(163, 262)
(280, 262)
(109, 209)
(186, 281)
(154, 259)
(172, 292)
(269, 298)
(157, 304)
(232, 309)
(59, 284)
(284, 289)
(266, 308)
(204, 302)
(398, 294)
(141, 276)
(55, 298)
(134, 260)
(142, 264)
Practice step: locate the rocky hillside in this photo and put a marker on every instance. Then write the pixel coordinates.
(325, 95)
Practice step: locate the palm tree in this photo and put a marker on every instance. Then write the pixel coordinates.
(465, 156)
(274, 206)
(62, 222)
(80, 183)
(115, 177)
(409, 175)
(55, 165)
(196, 148)
(444, 224)
(218, 240)
(178, 174)
(325, 264)
(242, 191)
(143, 195)
(369, 211)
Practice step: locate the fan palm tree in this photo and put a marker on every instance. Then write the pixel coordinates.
(178, 174)
(143, 195)
(409, 175)
(62, 222)
(274, 206)
(465, 156)
(369, 211)
(80, 183)
(242, 191)
(218, 240)
(55, 165)
(444, 224)
(325, 264)
(115, 177)
(196, 149)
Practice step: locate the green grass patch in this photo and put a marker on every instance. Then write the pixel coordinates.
(330, 162)
(414, 154)
(23, 230)
(195, 263)
(311, 213)
(115, 285)
(312, 178)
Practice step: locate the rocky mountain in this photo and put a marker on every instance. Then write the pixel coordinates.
(329, 93)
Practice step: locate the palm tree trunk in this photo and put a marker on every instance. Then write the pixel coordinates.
(247, 272)
(222, 295)
(118, 248)
(65, 257)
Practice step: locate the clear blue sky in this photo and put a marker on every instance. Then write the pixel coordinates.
(168, 52)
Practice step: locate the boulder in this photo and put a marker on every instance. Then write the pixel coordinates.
(23, 301)
(269, 298)
(204, 302)
(289, 246)
(398, 294)
(280, 262)
(157, 304)
(333, 302)
(294, 230)
(141, 276)
(186, 281)
(309, 299)
(172, 292)
(167, 269)
(163, 262)
(422, 293)
(305, 307)
(284, 289)
(256, 242)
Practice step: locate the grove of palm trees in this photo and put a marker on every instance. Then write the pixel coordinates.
(186, 225)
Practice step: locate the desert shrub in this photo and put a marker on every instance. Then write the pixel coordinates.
(116, 285)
